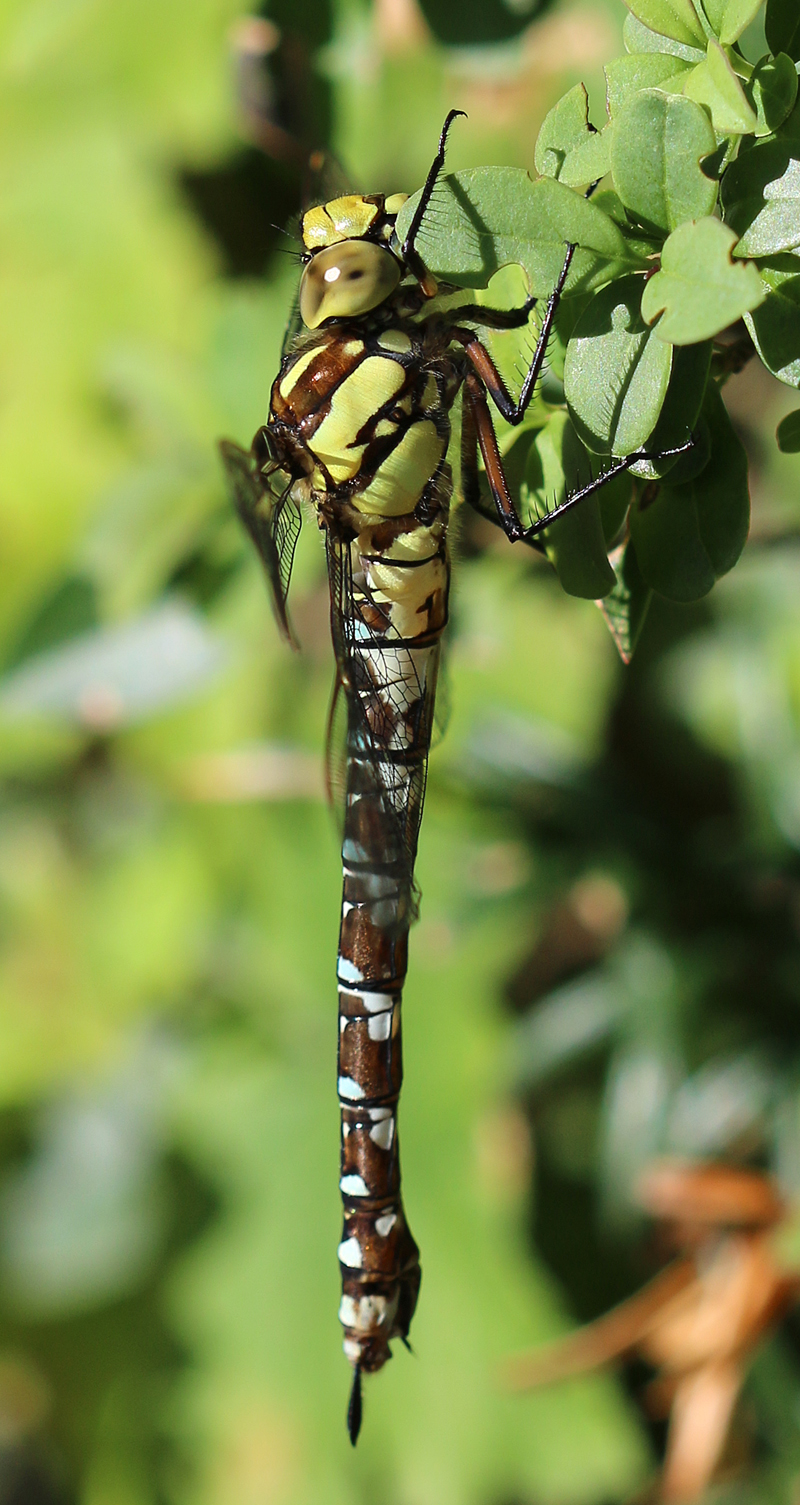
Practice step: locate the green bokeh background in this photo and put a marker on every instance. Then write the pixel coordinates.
(168, 1128)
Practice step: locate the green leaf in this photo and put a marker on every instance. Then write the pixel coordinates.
(729, 18)
(616, 372)
(788, 433)
(783, 28)
(625, 76)
(677, 19)
(761, 198)
(699, 290)
(564, 127)
(687, 536)
(626, 606)
(639, 38)
(772, 91)
(775, 325)
(679, 415)
(575, 545)
(488, 217)
(715, 85)
(659, 141)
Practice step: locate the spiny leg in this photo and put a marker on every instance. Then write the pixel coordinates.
(409, 252)
(512, 411)
(507, 514)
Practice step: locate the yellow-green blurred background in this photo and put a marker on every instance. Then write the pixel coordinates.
(607, 963)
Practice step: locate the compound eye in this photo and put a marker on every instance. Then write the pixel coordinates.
(346, 280)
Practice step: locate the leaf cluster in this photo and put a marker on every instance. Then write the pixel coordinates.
(695, 227)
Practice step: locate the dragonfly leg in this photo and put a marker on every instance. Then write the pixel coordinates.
(493, 318)
(507, 515)
(409, 253)
(479, 357)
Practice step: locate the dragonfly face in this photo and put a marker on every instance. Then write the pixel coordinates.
(358, 431)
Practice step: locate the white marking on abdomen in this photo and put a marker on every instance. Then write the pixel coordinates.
(382, 1134)
(354, 1186)
(384, 1225)
(347, 972)
(350, 1254)
(349, 1089)
(380, 1026)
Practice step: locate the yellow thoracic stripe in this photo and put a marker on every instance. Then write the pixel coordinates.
(374, 382)
(399, 482)
(296, 370)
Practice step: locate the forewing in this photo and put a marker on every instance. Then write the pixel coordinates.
(272, 520)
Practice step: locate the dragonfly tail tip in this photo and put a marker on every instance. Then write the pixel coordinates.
(354, 1408)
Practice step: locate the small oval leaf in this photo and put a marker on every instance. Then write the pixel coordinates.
(772, 91)
(788, 433)
(575, 544)
(659, 142)
(699, 290)
(615, 375)
(687, 536)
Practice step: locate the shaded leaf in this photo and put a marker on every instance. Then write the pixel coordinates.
(788, 433)
(625, 607)
(575, 544)
(679, 415)
(775, 325)
(761, 198)
(783, 28)
(699, 290)
(687, 536)
(714, 84)
(659, 142)
(615, 374)
(772, 91)
(488, 217)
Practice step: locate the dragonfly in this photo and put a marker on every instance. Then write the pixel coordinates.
(357, 435)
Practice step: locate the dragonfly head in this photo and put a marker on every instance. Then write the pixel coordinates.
(349, 268)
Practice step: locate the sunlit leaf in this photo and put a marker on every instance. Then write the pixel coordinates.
(658, 145)
(626, 76)
(699, 290)
(670, 18)
(715, 85)
(730, 18)
(488, 217)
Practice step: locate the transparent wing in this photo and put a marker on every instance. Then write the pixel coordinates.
(271, 519)
(389, 689)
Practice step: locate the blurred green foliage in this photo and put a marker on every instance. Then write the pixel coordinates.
(169, 875)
